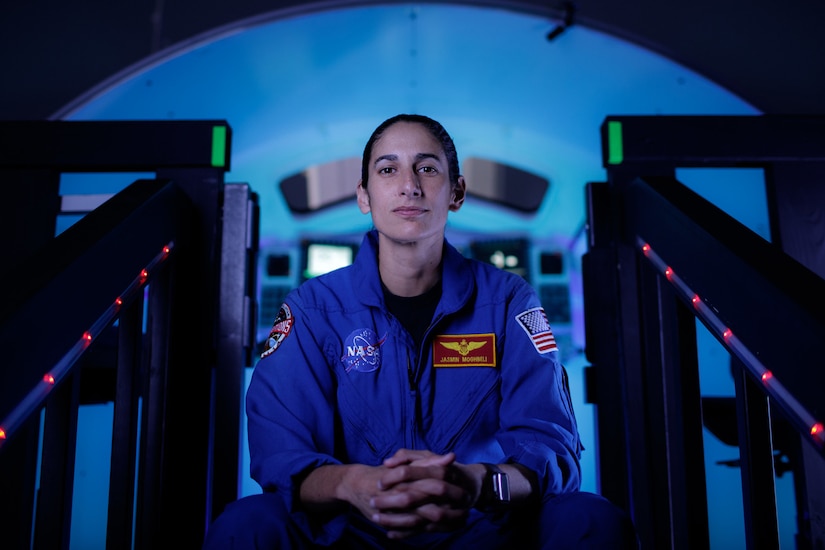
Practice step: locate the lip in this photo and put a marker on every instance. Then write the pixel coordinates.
(409, 211)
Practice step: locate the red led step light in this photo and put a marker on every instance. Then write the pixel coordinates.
(818, 433)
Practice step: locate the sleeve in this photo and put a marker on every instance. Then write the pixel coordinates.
(290, 414)
(537, 423)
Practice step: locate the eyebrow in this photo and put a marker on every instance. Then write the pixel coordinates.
(418, 157)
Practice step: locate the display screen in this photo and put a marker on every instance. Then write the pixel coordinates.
(324, 257)
(507, 254)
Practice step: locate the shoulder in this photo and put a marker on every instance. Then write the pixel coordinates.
(324, 288)
(490, 276)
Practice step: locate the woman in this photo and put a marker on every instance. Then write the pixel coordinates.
(414, 398)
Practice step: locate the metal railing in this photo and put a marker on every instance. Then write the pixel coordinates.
(660, 258)
(159, 277)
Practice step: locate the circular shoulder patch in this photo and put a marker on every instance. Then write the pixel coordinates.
(280, 330)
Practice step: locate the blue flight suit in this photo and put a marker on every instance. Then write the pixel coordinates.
(343, 382)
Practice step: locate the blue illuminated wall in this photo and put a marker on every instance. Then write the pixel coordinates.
(309, 88)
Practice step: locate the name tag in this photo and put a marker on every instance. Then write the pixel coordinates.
(464, 350)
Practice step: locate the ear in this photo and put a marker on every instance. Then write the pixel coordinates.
(363, 198)
(459, 192)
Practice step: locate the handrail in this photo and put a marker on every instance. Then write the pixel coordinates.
(71, 280)
(82, 282)
(724, 268)
(805, 423)
(36, 397)
(188, 241)
(661, 260)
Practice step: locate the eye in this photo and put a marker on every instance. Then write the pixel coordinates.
(428, 169)
(386, 170)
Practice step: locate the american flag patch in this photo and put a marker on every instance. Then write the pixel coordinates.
(534, 322)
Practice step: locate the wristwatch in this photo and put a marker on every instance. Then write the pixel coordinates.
(495, 489)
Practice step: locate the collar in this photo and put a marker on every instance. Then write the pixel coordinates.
(457, 279)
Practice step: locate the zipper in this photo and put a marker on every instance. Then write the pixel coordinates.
(413, 373)
(422, 348)
(412, 406)
(410, 375)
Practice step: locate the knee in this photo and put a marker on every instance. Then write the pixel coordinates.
(588, 519)
(583, 504)
(256, 517)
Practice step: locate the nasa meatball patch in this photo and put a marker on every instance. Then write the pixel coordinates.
(362, 351)
(280, 330)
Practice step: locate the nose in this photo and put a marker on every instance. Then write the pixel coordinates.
(411, 186)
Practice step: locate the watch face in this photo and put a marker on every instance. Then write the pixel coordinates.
(495, 490)
(501, 487)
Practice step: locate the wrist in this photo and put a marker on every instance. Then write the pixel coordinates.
(349, 475)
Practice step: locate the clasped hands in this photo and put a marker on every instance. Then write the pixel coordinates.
(417, 491)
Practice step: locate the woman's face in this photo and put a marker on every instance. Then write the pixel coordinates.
(409, 193)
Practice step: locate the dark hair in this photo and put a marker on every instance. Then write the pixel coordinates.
(436, 130)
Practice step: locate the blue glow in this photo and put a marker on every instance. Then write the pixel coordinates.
(740, 192)
(307, 90)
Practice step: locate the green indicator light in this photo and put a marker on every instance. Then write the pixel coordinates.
(218, 146)
(615, 149)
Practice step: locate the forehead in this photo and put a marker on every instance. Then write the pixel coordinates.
(407, 137)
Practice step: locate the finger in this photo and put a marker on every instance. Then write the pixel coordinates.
(405, 456)
(406, 496)
(442, 518)
(440, 467)
(435, 460)
(408, 473)
(438, 519)
(402, 473)
(407, 521)
(402, 499)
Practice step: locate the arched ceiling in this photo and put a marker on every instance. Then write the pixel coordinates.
(765, 51)
(302, 88)
(303, 84)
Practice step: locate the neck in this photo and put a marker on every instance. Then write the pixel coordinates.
(409, 269)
